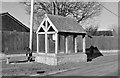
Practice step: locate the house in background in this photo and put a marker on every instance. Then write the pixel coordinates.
(105, 32)
(57, 40)
(10, 23)
(14, 35)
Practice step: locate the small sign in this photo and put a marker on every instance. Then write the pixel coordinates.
(53, 36)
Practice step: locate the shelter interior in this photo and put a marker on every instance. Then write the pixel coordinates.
(52, 41)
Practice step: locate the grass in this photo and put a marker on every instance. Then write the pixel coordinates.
(33, 68)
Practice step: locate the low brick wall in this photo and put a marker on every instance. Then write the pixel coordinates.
(52, 59)
(49, 59)
(78, 57)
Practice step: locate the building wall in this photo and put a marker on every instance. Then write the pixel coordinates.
(14, 36)
(15, 42)
(9, 24)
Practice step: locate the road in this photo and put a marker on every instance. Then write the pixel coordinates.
(102, 66)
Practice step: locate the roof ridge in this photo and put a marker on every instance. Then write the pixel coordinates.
(65, 24)
(59, 16)
(18, 21)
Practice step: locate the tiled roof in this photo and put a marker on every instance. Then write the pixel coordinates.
(66, 24)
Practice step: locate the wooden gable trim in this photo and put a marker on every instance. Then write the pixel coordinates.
(51, 25)
(46, 29)
(41, 25)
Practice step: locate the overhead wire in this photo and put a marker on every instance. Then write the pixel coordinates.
(109, 10)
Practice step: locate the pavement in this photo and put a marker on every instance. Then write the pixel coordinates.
(108, 65)
(66, 67)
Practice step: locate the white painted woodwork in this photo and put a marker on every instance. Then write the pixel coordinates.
(84, 45)
(66, 44)
(56, 43)
(37, 43)
(75, 44)
(46, 43)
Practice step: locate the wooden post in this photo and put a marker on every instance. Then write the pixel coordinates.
(46, 43)
(37, 43)
(84, 44)
(66, 44)
(0, 39)
(75, 38)
(56, 43)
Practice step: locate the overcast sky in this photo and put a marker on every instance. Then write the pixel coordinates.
(105, 20)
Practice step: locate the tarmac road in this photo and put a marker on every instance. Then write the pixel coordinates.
(106, 66)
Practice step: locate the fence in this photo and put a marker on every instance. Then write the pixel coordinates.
(103, 42)
(15, 42)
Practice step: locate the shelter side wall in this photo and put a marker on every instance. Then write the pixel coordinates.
(0, 34)
(51, 44)
(0, 23)
(41, 43)
(71, 44)
(0, 41)
(61, 43)
(79, 43)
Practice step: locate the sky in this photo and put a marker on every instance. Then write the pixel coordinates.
(106, 19)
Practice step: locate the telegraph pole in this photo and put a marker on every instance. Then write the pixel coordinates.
(31, 26)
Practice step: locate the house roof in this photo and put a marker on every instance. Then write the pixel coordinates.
(104, 33)
(66, 24)
(9, 15)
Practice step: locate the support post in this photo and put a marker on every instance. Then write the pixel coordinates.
(84, 44)
(46, 43)
(56, 43)
(0, 38)
(75, 38)
(37, 43)
(66, 44)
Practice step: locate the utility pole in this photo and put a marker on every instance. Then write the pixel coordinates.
(31, 26)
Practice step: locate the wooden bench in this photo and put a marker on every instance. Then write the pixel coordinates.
(17, 57)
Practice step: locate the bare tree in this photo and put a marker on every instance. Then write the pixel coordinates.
(79, 10)
(91, 30)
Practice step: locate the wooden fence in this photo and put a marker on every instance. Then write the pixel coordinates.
(103, 42)
(15, 42)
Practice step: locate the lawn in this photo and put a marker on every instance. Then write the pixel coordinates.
(26, 69)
